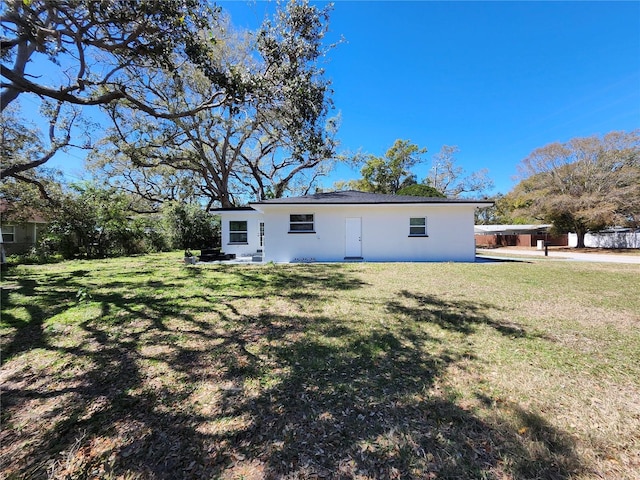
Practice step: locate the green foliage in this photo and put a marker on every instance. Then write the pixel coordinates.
(393, 172)
(264, 132)
(91, 34)
(83, 295)
(390, 173)
(96, 222)
(420, 190)
(24, 153)
(89, 50)
(39, 255)
(503, 212)
(190, 226)
(19, 140)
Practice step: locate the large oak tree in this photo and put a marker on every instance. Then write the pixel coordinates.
(264, 136)
(84, 46)
(584, 184)
(72, 53)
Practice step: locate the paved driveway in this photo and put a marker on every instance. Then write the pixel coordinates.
(564, 255)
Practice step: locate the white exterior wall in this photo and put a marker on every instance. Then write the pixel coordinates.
(385, 233)
(608, 240)
(253, 220)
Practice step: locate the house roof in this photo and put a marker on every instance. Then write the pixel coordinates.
(230, 209)
(510, 229)
(9, 213)
(352, 197)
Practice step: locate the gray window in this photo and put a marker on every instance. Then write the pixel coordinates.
(301, 223)
(262, 234)
(418, 227)
(8, 233)
(238, 231)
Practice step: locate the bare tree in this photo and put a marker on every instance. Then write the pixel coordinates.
(449, 178)
(584, 184)
(151, 187)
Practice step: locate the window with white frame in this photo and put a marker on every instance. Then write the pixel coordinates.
(8, 233)
(238, 231)
(261, 234)
(301, 223)
(418, 227)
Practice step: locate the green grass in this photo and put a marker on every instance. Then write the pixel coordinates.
(147, 368)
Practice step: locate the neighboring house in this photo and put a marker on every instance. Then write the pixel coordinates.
(516, 236)
(20, 236)
(344, 226)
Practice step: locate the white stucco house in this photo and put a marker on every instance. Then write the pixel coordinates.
(351, 225)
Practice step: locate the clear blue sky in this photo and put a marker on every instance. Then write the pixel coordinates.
(497, 79)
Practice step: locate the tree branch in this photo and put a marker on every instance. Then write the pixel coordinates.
(41, 188)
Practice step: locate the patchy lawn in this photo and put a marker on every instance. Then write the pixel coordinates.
(144, 368)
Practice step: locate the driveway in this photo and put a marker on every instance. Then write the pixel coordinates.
(559, 255)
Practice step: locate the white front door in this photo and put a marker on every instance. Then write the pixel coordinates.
(353, 229)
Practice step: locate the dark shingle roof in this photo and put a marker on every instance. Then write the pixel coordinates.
(355, 197)
(230, 209)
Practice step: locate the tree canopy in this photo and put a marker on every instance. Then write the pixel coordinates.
(74, 53)
(200, 109)
(389, 173)
(393, 173)
(262, 139)
(86, 47)
(420, 190)
(450, 179)
(584, 184)
(24, 148)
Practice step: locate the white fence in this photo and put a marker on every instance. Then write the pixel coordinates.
(608, 240)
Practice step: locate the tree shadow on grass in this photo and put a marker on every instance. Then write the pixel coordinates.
(154, 389)
(69, 420)
(369, 408)
(455, 315)
(288, 281)
(29, 332)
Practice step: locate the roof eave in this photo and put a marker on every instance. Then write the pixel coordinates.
(476, 203)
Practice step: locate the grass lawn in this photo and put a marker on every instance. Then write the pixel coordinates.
(145, 368)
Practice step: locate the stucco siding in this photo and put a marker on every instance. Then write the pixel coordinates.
(252, 245)
(385, 233)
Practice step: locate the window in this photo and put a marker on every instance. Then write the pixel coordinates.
(301, 223)
(262, 234)
(418, 227)
(8, 233)
(238, 231)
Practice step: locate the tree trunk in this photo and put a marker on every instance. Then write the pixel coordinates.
(580, 234)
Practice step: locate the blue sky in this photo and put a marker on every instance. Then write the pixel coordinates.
(497, 79)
